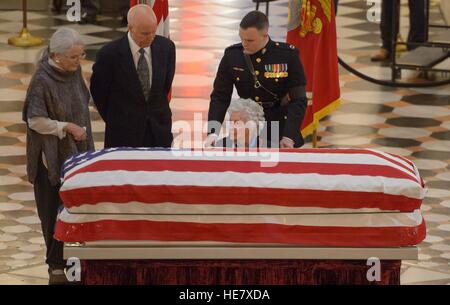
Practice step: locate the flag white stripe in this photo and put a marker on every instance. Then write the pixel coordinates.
(323, 158)
(393, 186)
(374, 220)
(170, 208)
(391, 157)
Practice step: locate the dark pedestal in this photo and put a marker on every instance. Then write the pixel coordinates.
(235, 272)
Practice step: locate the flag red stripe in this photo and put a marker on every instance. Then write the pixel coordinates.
(243, 167)
(315, 151)
(343, 151)
(358, 151)
(241, 233)
(395, 162)
(237, 195)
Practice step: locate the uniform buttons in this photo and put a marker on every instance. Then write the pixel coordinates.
(258, 60)
(285, 117)
(238, 79)
(276, 79)
(257, 72)
(257, 98)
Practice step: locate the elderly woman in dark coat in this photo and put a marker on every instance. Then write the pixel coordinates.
(58, 126)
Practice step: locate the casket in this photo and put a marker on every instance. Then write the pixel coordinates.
(329, 204)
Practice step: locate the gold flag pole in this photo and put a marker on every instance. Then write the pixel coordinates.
(309, 98)
(314, 138)
(25, 39)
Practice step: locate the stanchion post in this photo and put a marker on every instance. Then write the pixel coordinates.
(25, 39)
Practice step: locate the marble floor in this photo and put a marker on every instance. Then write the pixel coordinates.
(414, 123)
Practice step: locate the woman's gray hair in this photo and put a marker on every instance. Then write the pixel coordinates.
(254, 111)
(64, 39)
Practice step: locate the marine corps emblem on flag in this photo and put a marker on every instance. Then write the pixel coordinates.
(309, 19)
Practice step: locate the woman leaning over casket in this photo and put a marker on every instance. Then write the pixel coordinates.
(58, 126)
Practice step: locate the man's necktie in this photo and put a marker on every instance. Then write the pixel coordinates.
(144, 73)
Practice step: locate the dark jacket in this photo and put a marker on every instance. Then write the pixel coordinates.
(279, 71)
(119, 98)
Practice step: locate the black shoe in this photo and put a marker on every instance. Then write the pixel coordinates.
(57, 277)
(381, 55)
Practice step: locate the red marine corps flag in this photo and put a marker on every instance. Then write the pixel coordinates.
(312, 29)
(161, 9)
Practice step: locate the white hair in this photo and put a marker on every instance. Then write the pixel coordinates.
(64, 39)
(139, 9)
(254, 111)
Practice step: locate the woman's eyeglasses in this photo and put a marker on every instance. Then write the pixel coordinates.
(76, 57)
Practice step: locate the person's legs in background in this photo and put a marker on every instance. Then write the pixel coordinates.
(124, 6)
(417, 21)
(89, 11)
(57, 6)
(386, 28)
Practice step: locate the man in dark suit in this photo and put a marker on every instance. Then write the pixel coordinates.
(131, 81)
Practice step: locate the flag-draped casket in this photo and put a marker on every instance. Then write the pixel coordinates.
(308, 197)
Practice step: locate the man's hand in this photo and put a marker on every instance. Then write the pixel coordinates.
(77, 132)
(286, 143)
(210, 140)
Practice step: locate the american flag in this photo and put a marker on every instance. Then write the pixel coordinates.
(310, 197)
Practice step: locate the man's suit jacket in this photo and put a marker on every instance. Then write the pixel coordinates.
(119, 98)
